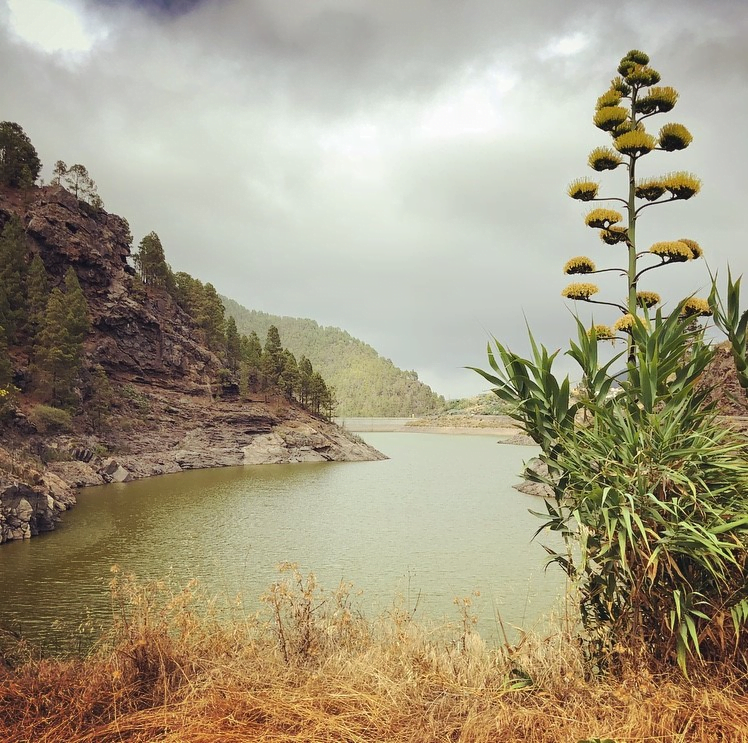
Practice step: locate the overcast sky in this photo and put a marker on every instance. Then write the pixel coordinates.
(396, 168)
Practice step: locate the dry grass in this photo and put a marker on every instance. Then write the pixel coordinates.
(174, 669)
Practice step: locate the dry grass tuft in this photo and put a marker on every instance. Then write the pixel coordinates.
(176, 669)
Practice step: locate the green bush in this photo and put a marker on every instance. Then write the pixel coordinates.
(47, 419)
(650, 493)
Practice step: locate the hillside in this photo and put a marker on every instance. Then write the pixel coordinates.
(365, 383)
(105, 377)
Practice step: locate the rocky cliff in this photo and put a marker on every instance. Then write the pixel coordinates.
(167, 412)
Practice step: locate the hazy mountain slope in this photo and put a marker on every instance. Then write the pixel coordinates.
(366, 383)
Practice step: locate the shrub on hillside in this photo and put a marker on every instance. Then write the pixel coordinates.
(47, 419)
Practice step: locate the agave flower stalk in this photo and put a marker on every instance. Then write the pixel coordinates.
(633, 98)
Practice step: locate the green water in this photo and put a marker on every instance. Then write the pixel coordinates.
(438, 520)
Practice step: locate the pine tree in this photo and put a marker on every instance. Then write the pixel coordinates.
(289, 378)
(54, 353)
(59, 172)
(79, 182)
(77, 321)
(13, 272)
(211, 318)
(58, 347)
(305, 380)
(150, 261)
(233, 345)
(318, 393)
(272, 358)
(37, 286)
(187, 292)
(19, 162)
(101, 397)
(251, 353)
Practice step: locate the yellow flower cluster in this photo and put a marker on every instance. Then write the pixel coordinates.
(602, 218)
(614, 234)
(634, 57)
(610, 117)
(583, 189)
(580, 292)
(579, 264)
(620, 86)
(657, 100)
(693, 246)
(635, 143)
(611, 97)
(634, 69)
(650, 189)
(674, 137)
(603, 158)
(624, 323)
(648, 299)
(695, 307)
(602, 332)
(642, 75)
(681, 185)
(673, 250)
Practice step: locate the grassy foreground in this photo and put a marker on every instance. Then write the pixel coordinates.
(174, 669)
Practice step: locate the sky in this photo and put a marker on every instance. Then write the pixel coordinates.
(395, 168)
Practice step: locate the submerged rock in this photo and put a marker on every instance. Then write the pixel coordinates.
(535, 467)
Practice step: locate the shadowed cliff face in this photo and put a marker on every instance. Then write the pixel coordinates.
(137, 332)
(167, 413)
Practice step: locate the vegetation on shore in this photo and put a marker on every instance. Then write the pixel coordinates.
(175, 668)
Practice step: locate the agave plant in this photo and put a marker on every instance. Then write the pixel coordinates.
(650, 487)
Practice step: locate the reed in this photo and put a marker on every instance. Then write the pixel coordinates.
(177, 667)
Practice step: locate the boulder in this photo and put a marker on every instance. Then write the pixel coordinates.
(535, 467)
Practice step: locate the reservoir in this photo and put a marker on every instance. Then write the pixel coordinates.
(437, 521)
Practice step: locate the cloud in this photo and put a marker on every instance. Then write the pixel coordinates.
(165, 7)
(395, 169)
(53, 26)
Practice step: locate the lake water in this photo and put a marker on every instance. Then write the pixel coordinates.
(436, 521)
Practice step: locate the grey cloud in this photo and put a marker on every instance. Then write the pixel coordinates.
(166, 7)
(237, 131)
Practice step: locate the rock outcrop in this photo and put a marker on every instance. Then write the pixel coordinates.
(167, 414)
(26, 509)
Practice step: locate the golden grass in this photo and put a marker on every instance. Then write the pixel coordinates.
(313, 670)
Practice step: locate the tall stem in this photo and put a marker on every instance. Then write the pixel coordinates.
(632, 216)
(631, 207)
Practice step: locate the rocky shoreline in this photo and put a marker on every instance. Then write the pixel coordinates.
(181, 432)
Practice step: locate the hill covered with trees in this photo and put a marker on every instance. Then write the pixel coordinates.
(365, 383)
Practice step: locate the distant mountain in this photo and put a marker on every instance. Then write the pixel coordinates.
(366, 384)
(486, 403)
